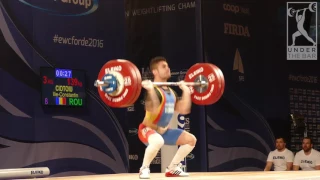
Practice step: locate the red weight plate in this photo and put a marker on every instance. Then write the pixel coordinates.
(222, 79)
(223, 82)
(136, 87)
(211, 94)
(139, 86)
(219, 80)
(129, 81)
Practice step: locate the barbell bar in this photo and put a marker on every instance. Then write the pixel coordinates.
(200, 83)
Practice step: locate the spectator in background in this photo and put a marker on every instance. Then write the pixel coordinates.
(308, 159)
(281, 158)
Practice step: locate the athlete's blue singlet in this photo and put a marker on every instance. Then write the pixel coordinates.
(166, 109)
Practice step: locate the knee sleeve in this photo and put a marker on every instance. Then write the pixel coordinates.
(155, 140)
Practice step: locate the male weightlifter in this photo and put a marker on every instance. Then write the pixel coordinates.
(160, 104)
(281, 157)
(308, 159)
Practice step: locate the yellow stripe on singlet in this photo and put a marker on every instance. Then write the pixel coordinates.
(155, 117)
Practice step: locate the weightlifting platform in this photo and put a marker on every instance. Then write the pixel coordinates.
(255, 175)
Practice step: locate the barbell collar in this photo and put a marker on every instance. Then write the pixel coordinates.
(98, 83)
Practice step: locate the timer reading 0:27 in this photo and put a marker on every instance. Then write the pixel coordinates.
(63, 73)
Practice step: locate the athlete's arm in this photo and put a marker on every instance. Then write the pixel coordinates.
(152, 101)
(183, 105)
(153, 109)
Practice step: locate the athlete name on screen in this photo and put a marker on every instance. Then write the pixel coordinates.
(64, 91)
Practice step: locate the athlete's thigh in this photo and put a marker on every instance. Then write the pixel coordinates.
(144, 133)
(171, 136)
(186, 138)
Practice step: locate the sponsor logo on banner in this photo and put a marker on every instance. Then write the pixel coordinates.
(302, 40)
(146, 73)
(183, 122)
(236, 30)
(133, 131)
(238, 65)
(64, 7)
(190, 156)
(130, 108)
(236, 9)
(178, 75)
(133, 157)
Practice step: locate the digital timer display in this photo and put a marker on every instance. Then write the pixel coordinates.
(62, 87)
(63, 73)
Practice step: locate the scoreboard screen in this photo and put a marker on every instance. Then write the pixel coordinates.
(62, 87)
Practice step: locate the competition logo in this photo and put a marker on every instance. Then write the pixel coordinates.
(302, 30)
(238, 66)
(64, 7)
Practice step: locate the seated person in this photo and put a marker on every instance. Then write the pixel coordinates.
(308, 159)
(281, 158)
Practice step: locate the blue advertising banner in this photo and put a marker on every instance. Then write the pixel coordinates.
(238, 134)
(166, 28)
(64, 34)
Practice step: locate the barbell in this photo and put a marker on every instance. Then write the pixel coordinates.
(119, 83)
(312, 7)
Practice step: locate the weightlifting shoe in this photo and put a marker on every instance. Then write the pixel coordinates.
(176, 171)
(144, 173)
